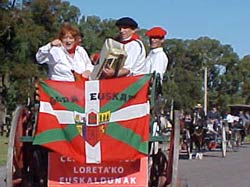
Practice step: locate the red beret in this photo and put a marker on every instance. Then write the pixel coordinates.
(156, 31)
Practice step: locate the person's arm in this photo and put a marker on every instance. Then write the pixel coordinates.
(123, 72)
(42, 54)
(134, 62)
(109, 72)
(87, 63)
(80, 77)
(44, 51)
(86, 74)
(209, 115)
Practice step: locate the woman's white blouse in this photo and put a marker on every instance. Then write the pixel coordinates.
(61, 64)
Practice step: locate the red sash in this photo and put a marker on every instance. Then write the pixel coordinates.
(133, 37)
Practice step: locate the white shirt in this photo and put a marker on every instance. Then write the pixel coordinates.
(230, 118)
(60, 64)
(135, 57)
(156, 61)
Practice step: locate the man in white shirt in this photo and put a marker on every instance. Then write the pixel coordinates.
(134, 64)
(156, 59)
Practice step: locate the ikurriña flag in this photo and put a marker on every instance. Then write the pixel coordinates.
(95, 121)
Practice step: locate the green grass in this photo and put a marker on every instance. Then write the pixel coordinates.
(247, 139)
(3, 150)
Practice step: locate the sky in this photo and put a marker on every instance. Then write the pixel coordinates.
(225, 20)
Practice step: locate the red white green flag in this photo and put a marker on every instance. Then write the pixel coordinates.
(95, 121)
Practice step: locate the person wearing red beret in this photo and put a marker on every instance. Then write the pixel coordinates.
(156, 59)
(136, 53)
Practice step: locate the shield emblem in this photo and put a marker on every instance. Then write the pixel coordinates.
(92, 118)
(93, 131)
(93, 134)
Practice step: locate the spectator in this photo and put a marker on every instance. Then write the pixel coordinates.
(199, 115)
(213, 117)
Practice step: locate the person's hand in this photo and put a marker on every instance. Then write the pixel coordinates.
(81, 76)
(86, 74)
(108, 72)
(56, 42)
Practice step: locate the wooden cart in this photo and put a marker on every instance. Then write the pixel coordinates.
(31, 165)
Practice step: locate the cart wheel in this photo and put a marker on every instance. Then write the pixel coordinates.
(189, 152)
(223, 141)
(157, 171)
(15, 164)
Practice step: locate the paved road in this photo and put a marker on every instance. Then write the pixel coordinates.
(2, 176)
(215, 171)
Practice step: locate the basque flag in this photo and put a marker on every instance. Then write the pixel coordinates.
(95, 121)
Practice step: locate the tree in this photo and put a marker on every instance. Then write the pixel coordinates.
(95, 31)
(187, 60)
(23, 30)
(244, 76)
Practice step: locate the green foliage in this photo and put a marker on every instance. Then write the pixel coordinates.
(4, 150)
(187, 60)
(244, 75)
(95, 31)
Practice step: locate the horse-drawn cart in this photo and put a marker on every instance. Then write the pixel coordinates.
(94, 134)
(238, 125)
(203, 135)
(215, 136)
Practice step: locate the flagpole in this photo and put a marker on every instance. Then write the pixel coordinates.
(205, 90)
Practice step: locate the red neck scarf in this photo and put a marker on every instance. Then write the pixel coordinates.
(72, 50)
(133, 37)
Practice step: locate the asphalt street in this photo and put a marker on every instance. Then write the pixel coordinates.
(215, 171)
(2, 176)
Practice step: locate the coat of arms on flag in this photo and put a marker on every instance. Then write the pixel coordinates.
(95, 121)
